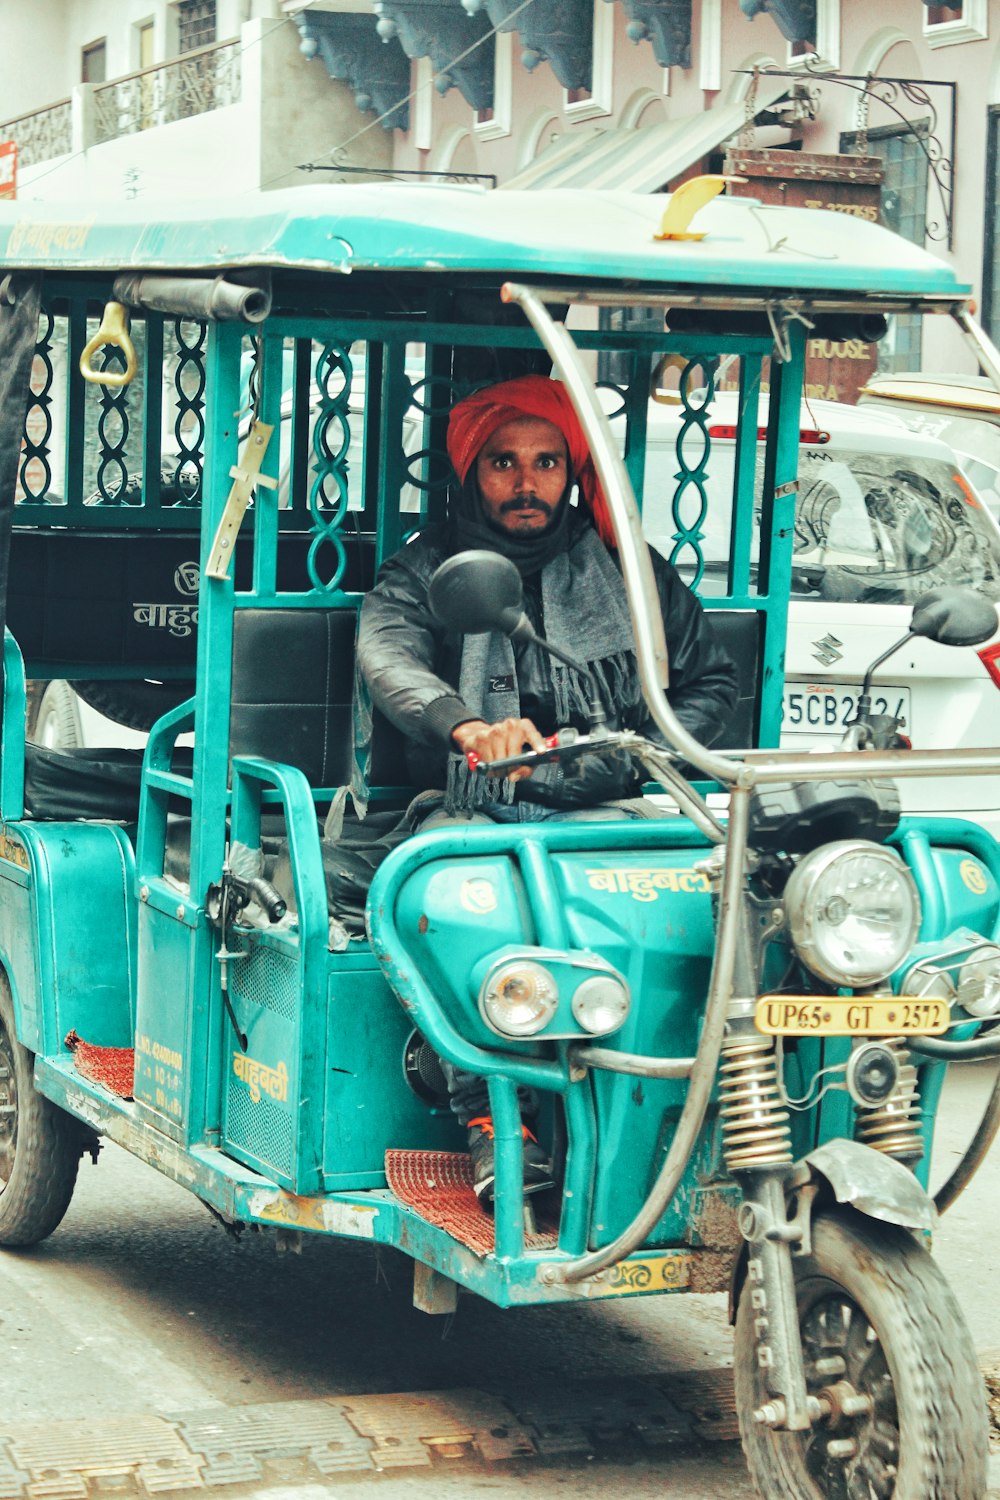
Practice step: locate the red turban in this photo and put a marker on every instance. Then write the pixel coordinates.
(474, 421)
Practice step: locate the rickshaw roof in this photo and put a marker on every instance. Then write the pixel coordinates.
(573, 233)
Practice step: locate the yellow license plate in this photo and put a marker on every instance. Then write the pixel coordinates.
(837, 1015)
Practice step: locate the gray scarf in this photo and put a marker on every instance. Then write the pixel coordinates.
(585, 613)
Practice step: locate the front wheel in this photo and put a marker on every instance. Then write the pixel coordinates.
(39, 1144)
(877, 1321)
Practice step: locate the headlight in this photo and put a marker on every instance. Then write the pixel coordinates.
(601, 1004)
(979, 982)
(518, 998)
(853, 911)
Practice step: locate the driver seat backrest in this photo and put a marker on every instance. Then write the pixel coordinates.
(292, 695)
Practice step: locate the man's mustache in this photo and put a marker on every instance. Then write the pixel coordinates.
(526, 502)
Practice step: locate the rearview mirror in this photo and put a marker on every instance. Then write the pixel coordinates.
(475, 592)
(954, 617)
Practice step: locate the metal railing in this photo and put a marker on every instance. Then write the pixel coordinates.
(42, 134)
(192, 84)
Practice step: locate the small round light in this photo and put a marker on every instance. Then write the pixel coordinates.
(928, 981)
(601, 1004)
(853, 911)
(519, 998)
(979, 982)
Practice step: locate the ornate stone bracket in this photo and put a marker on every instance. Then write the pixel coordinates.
(377, 71)
(795, 19)
(559, 32)
(665, 23)
(443, 31)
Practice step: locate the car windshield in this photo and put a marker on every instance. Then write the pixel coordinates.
(869, 528)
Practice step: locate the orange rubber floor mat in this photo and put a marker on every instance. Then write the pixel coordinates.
(438, 1186)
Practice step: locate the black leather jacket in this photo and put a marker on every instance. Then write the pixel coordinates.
(411, 666)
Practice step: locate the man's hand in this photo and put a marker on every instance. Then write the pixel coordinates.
(498, 741)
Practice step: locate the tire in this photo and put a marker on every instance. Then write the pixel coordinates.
(136, 704)
(39, 1144)
(53, 715)
(871, 1294)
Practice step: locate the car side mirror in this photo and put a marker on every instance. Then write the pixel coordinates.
(954, 617)
(479, 591)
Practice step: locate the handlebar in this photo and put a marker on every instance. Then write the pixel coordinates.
(569, 742)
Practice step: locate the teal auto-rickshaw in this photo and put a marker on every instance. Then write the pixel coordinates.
(738, 1015)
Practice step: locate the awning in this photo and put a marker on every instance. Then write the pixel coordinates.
(644, 160)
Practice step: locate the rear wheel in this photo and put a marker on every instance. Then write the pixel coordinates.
(53, 715)
(135, 703)
(39, 1144)
(878, 1322)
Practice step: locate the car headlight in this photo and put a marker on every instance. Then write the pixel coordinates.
(518, 998)
(853, 911)
(979, 982)
(601, 1004)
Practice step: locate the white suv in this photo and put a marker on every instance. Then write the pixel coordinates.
(883, 515)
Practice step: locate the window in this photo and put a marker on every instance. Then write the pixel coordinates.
(824, 48)
(991, 237)
(585, 104)
(94, 62)
(903, 209)
(495, 122)
(195, 24)
(966, 21)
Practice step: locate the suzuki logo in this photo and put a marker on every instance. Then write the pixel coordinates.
(826, 652)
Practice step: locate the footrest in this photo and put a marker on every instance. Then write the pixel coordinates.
(438, 1186)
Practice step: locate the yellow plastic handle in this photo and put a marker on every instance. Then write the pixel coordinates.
(113, 331)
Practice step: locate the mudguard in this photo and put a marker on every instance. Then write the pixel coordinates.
(871, 1182)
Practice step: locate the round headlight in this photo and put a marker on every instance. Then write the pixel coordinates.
(519, 998)
(979, 982)
(601, 1004)
(853, 911)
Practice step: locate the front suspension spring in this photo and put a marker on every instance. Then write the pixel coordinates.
(755, 1129)
(895, 1127)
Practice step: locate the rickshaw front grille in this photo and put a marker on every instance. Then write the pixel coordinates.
(262, 1132)
(259, 1118)
(266, 978)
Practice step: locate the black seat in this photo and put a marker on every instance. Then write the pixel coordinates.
(738, 632)
(292, 701)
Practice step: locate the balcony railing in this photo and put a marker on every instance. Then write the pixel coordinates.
(43, 134)
(192, 84)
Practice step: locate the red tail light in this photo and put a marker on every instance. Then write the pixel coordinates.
(808, 435)
(990, 658)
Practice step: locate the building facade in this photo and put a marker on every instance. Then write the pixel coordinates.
(203, 96)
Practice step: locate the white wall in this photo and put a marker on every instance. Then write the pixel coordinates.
(289, 112)
(44, 39)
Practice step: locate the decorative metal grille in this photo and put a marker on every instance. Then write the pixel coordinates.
(330, 442)
(112, 432)
(428, 469)
(36, 470)
(43, 134)
(192, 84)
(690, 502)
(186, 472)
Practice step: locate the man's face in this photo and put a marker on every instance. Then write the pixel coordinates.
(523, 471)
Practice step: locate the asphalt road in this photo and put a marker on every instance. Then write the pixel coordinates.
(140, 1307)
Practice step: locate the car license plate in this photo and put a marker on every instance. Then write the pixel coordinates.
(865, 1015)
(828, 707)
